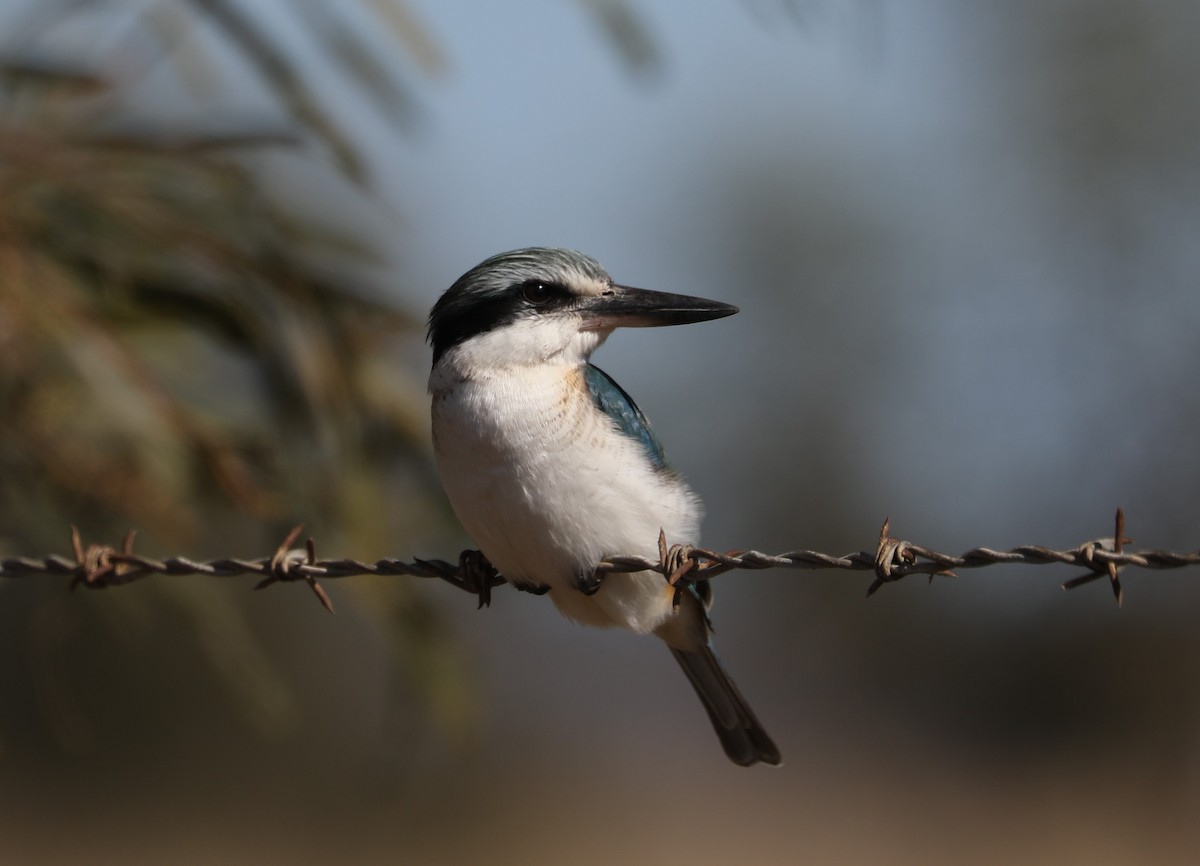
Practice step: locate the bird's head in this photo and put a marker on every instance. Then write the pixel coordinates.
(537, 305)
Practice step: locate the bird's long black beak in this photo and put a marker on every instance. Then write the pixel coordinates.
(627, 307)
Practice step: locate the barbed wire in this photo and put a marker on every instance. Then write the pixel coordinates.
(100, 566)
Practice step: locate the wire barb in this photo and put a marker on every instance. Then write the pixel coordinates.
(1104, 567)
(282, 566)
(895, 558)
(98, 566)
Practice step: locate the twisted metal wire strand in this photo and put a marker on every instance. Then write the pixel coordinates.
(97, 566)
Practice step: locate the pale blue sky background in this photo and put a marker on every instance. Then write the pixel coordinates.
(887, 191)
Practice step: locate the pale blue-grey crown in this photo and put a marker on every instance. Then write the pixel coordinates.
(494, 293)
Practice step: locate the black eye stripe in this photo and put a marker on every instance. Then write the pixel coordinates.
(491, 294)
(459, 316)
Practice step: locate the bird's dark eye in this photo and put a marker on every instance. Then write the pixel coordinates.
(537, 293)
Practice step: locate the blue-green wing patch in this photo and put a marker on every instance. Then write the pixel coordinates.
(611, 399)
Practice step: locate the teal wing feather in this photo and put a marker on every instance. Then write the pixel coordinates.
(611, 399)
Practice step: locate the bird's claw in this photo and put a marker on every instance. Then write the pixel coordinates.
(589, 582)
(478, 575)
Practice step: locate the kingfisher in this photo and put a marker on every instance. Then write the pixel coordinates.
(551, 467)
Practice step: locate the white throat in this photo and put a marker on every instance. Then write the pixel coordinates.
(553, 341)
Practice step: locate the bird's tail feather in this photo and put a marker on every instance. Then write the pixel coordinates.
(741, 734)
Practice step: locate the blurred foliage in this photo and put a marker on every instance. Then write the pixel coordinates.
(188, 347)
(181, 352)
(142, 271)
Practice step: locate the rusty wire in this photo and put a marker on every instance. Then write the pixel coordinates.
(97, 566)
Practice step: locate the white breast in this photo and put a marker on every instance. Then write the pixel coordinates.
(547, 487)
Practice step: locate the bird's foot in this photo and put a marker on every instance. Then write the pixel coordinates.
(532, 589)
(589, 582)
(478, 576)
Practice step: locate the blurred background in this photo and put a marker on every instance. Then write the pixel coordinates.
(964, 241)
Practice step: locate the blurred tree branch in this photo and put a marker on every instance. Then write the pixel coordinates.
(123, 246)
(181, 350)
